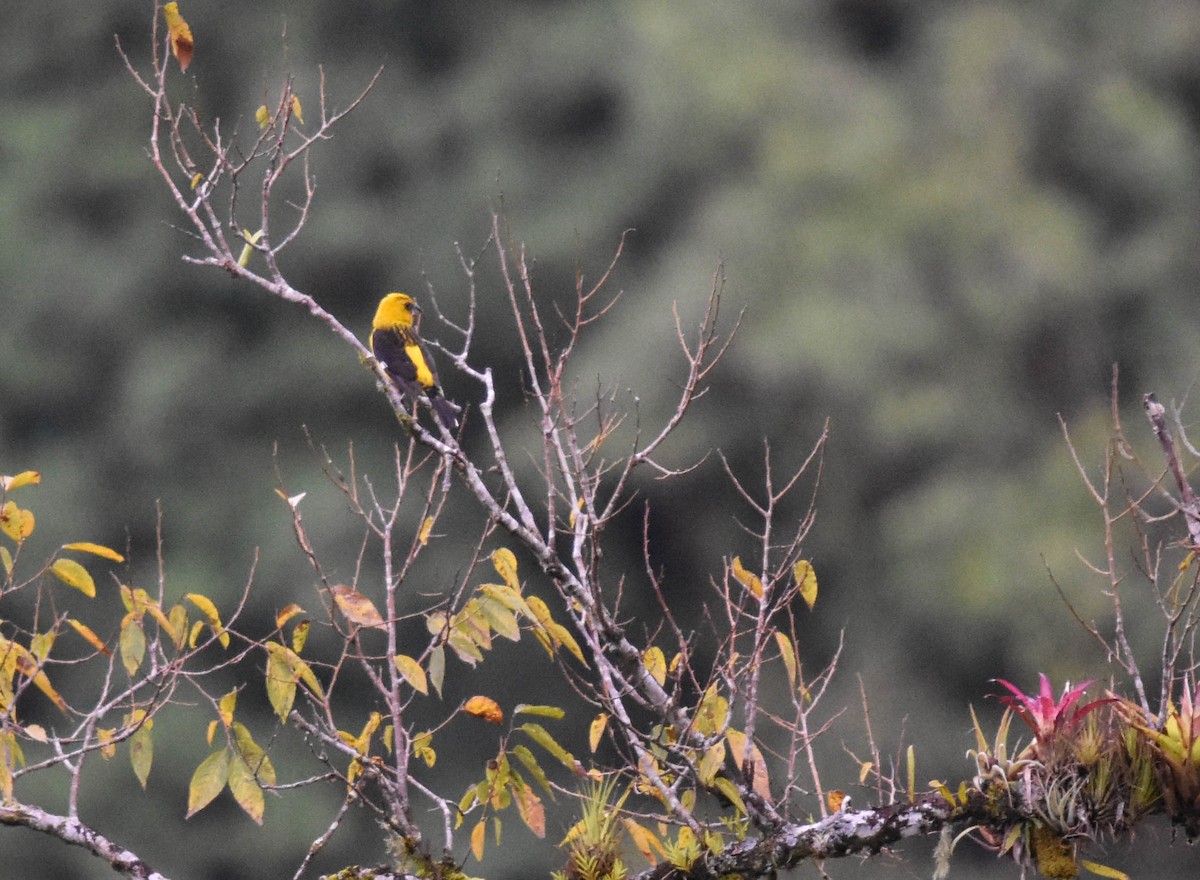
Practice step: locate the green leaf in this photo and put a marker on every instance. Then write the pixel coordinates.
(526, 757)
(501, 618)
(437, 668)
(141, 752)
(208, 780)
(544, 711)
(252, 753)
(245, 789)
(133, 642)
(542, 737)
(281, 680)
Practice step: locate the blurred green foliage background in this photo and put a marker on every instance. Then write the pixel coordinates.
(943, 221)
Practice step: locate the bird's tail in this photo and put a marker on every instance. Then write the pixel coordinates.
(445, 412)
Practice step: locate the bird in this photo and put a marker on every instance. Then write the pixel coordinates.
(396, 345)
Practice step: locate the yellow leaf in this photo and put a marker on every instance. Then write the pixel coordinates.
(167, 627)
(1104, 870)
(25, 478)
(7, 560)
(562, 636)
(225, 707)
(788, 654)
(248, 248)
(209, 610)
(180, 34)
(104, 736)
(263, 115)
(356, 607)
(427, 525)
(835, 800)
(422, 747)
(737, 749)
(197, 179)
(713, 760)
(727, 788)
(286, 613)
(747, 578)
(208, 780)
(412, 672)
(95, 550)
(596, 730)
(656, 663)
(806, 579)
(298, 112)
(478, 834)
(485, 708)
(300, 635)
(864, 770)
(712, 713)
(506, 566)
(15, 522)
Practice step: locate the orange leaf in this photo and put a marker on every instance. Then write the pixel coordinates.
(356, 607)
(89, 636)
(180, 34)
(596, 730)
(533, 812)
(477, 835)
(286, 613)
(485, 708)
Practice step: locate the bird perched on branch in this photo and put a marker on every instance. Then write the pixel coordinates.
(395, 344)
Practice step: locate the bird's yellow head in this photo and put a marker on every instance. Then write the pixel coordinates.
(395, 310)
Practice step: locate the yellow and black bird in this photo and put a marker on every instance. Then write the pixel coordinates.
(395, 344)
